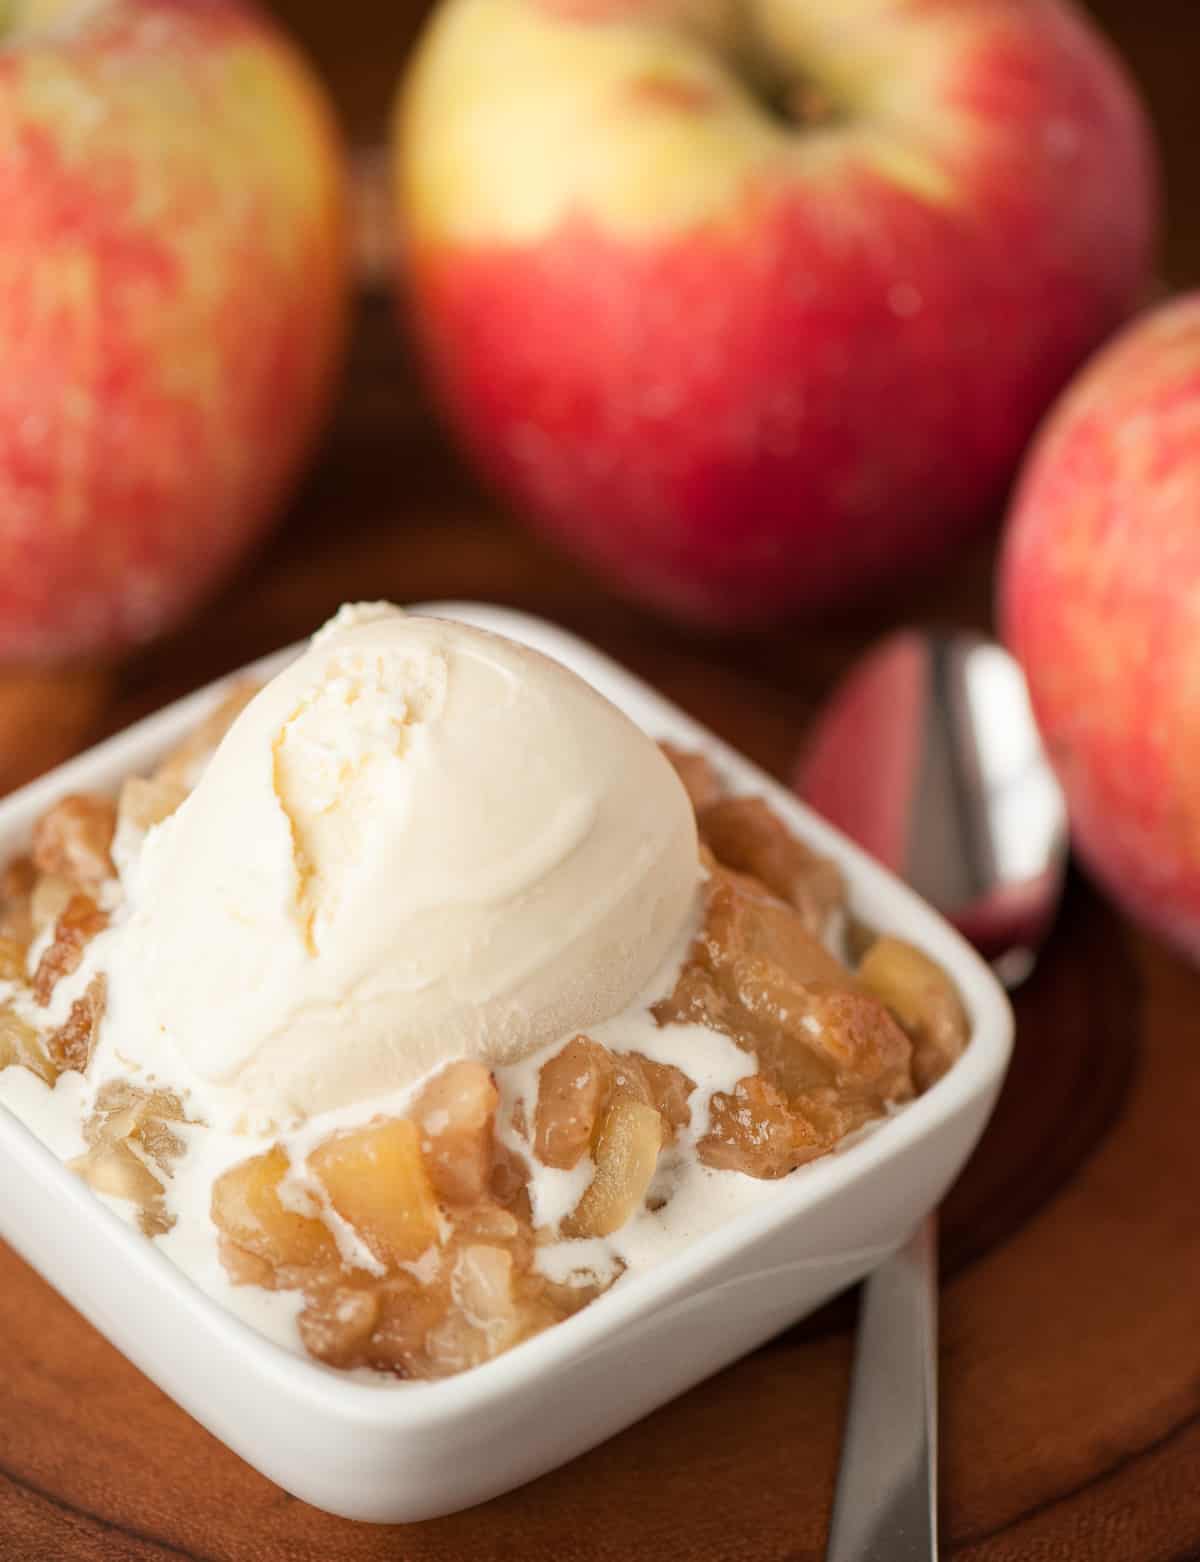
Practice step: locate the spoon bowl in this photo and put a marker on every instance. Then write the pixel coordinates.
(928, 755)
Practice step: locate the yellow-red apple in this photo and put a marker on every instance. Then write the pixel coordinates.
(1100, 600)
(754, 302)
(172, 290)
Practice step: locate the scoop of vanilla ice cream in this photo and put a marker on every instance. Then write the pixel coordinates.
(419, 842)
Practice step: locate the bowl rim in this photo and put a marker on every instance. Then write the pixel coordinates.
(331, 1392)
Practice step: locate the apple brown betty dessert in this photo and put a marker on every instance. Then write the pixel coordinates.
(442, 1272)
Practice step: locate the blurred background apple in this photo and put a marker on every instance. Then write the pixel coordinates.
(1100, 600)
(172, 287)
(753, 306)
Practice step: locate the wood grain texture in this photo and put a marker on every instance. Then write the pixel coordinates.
(1071, 1385)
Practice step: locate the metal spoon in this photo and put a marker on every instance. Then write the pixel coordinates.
(928, 755)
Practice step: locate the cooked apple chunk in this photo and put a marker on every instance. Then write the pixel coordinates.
(16, 912)
(248, 1210)
(146, 801)
(20, 1043)
(376, 1180)
(73, 841)
(744, 834)
(626, 1154)
(752, 1130)
(72, 1044)
(456, 1113)
(923, 999)
(132, 1146)
(576, 1086)
(338, 1321)
(76, 925)
(573, 1087)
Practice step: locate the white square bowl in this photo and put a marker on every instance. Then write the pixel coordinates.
(400, 1452)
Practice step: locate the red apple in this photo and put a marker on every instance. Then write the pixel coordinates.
(1100, 600)
(171, 306)
(752, 304)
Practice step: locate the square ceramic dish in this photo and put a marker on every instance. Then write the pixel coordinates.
(398, 1452)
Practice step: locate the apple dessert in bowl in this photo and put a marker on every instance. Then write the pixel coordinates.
(419, 996)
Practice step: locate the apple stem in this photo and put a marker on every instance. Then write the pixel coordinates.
(810, 104)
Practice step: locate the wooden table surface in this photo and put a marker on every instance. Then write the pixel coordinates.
(1071, 1370)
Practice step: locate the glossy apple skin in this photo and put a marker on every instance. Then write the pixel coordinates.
(172, 307)
(1100, 601)
(826, 385)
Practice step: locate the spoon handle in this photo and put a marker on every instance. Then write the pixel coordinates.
(885, 1507)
